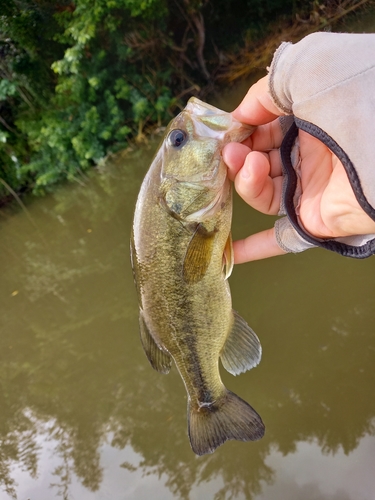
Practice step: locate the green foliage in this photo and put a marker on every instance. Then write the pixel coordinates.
(77, 80)
(7, 89)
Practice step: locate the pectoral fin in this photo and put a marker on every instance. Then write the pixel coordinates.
(160, 360)
(198, 254)
(228, 257)
(242, 350)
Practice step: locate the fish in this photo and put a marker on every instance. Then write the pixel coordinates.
(182, 256)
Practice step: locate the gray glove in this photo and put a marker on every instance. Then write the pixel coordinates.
(327, 83)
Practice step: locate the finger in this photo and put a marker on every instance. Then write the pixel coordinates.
(257, 107)
(255, 186)
(275, 163)
(266, 137)
(234, 156)
(257, 246)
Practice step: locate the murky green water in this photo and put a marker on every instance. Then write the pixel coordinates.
(83, 415)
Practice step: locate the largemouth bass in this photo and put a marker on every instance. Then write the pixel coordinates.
(181, 251)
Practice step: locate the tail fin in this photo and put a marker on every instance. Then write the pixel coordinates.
(228, 418)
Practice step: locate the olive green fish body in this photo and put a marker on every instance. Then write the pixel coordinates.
(181, 256)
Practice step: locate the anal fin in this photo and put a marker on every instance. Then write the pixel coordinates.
(242, 350)
(160, 360)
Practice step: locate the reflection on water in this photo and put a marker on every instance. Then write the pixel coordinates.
(303, 474)
(306, 473)
(83, 415)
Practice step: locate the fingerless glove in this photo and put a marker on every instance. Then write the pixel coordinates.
(326, 84)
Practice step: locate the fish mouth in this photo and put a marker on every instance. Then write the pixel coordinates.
(202, 108)
(217, 123)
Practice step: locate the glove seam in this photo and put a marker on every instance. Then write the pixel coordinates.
(271, 79)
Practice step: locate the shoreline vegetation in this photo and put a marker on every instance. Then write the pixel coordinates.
(80, 81)
(322, 16)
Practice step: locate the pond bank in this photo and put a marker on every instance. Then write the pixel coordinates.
(341, 16)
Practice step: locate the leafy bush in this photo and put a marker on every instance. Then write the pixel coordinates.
(79, 79)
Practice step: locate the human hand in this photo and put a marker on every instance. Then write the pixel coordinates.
(328, 206)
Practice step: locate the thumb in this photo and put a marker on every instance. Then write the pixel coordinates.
(257, 106)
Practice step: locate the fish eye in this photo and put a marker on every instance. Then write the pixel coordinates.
(177, 138)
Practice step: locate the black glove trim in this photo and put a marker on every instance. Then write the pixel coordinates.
(358, 252)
